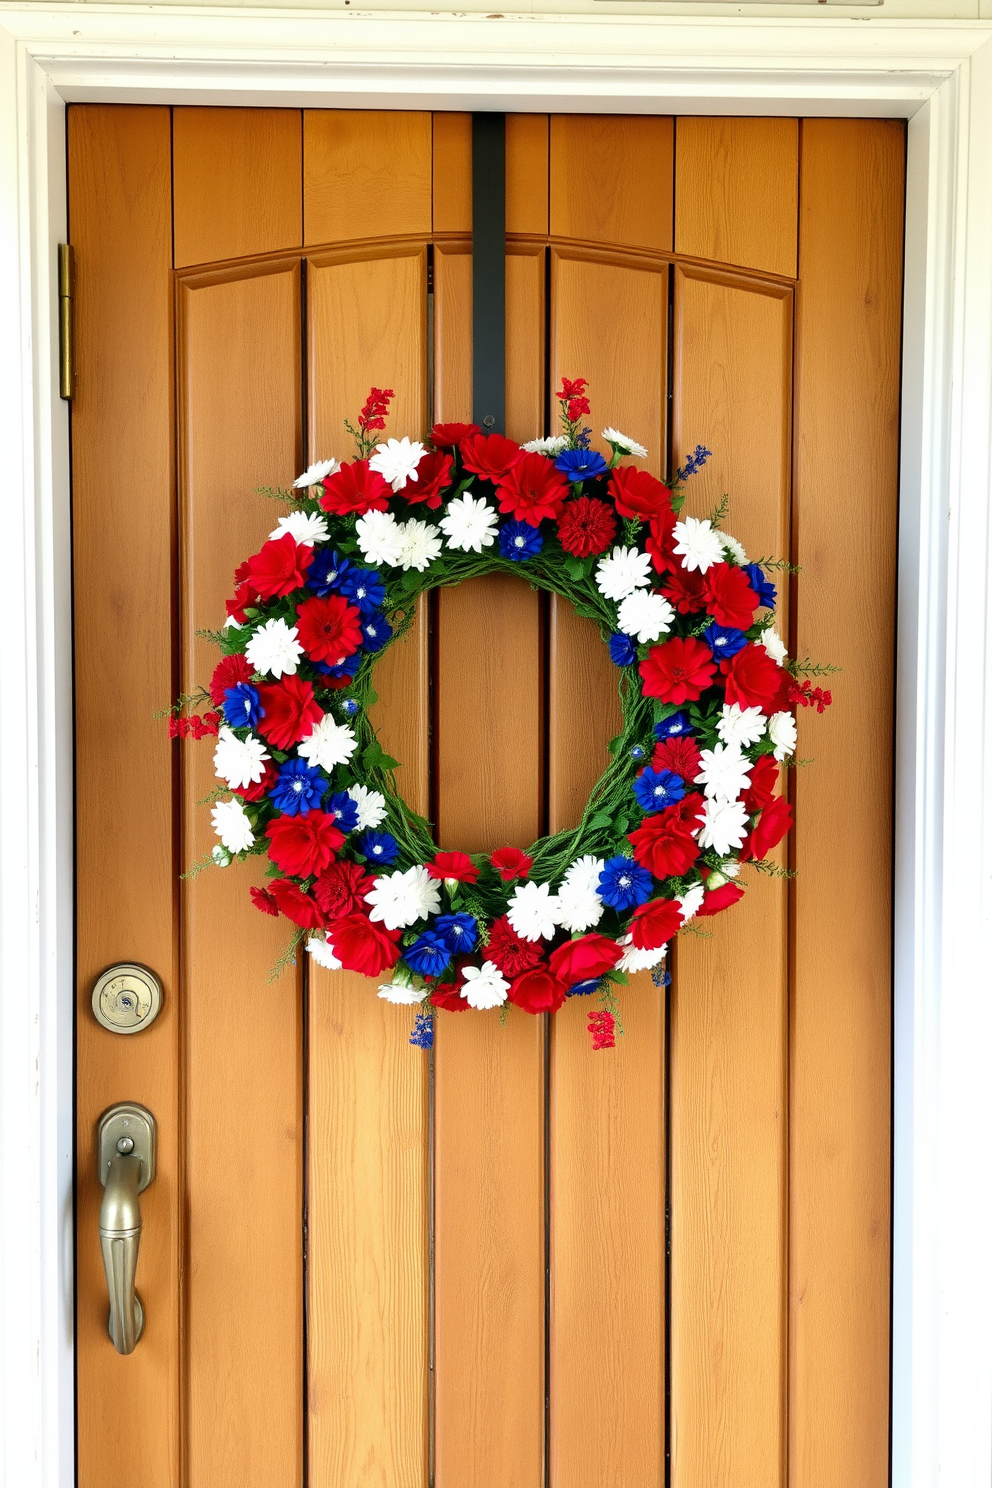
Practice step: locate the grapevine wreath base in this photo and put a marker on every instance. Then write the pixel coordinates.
(692, 790)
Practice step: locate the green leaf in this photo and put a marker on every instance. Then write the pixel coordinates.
(601, 819)
(615, 743)
(373, 758)
(620, 977)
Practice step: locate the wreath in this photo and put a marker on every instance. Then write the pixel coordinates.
(692, 788)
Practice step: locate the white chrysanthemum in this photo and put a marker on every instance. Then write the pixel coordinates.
(782, 732)
(241, 762)
(401, 989)
(232, 826)
(584, 873)
(323, 953)
(397, 461)
(485, 986)
(371, 806)
(305, 527)
(470, 524)
(623, 571)
(724, 772)
(402, 898)
(635, 960)
(579, 908)
(645, 615)
(328, 744)
(699, 543)
(773, 644)
(380, 538)
(733, 548)
(274, 650)
(690, 902)
(740, 726)
(315, 473)
(624, 442)
(724, 825)
(420, 544)
(533, 910)
(551, 444)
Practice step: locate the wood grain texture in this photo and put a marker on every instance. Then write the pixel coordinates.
(737, 191)
(526, 173)
(611, 179)
(366, 174)
(236, 182)
(851, 235)
(121, 229)
(244, 1173)
(583, 713)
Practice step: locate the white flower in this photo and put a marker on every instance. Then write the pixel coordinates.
(579, 908)
(485, 986)
(724, 772)
(400, 899)
(232, 825)
(328, 744)
(635, 960)
(231, 624)
(305, 527)
(420, 544)
(397, 461)
(773, 644)
(624, 442)
(274, 650)
(314, 474)
(699, 543)
(741, 726)
(724, 825)
(240, 762)
(690, 901)
(782, 732)
(733, 547)
(623, 571)
(371, 806)
(380, 538)
(323, 953)
(470, 524)
(221, 856)
(584, 873)
(401, 989)
(532, 911)
(645, 615)
(551, 444)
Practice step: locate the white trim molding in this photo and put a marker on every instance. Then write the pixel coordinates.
(938, 75)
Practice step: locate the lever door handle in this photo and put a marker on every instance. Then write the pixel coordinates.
(126, 1147)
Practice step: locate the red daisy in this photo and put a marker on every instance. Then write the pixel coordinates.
(586, 526)
(263, 900)
(355, 488)
(303, 845)
(532, 490)
(510, 862)
(294, 904)
(655, 923)
(444, 436)
(730, 598)
(639, 494)
(433, 474)
(280, 566)
(329, 629)
(678, 671)
(754, 680)
(685, 589)
(363, 946)
(289, 711)
(489, 455)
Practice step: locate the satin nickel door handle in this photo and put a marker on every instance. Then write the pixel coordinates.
(126, 1166)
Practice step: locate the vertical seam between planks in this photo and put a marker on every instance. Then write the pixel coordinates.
(670, 989)
(304, 974)
(75, 883)
(431, 1288)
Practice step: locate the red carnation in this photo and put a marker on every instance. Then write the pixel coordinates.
(730, 598)
(721, 898)
(508, 951)
(763, 783)
(445, 436)
(364, 947)
(510, 862)
(228, 673)
(433, 474)
(581, 960)
(772, 825)
(586, 526)
(295, 905)
(264, 901)
(489, 455)
(341, 888)
(355, 488)
(679, 754)
(639, 494)
(329, 629)
(660, 542)
(259, 788)
(678, 671)
(290, 711)
(303, 845)
(532, 490)
(537, 991)
(456, 865)
(686, 590)
(664, 843)
(753, 679)
(280, 566)
(602, 1027)
(655, 923)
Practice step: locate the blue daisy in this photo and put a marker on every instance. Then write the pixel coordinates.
(299, 789)
(623, 884)
(623, 652)
(459, 931)
(519, 541)
(376, 630)
(326, 571)
(656, 789)
(581, 464)
(673, 727)
(344, 811)
(379, 847)
(242, 708)
(762, 586)
(363, 587)
(429, 955)
(724, 641)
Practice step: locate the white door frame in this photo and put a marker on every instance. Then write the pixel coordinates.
(938, 75)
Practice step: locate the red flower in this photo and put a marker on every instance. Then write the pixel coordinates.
(261, 787)
(510, 862)
(341, 888)
(664, 843)
(680, 755)
(639, 494)
(445, 436)
(364, 947)
(433, 474)
(244, 595)
(763, 783)
(809, 696)
(660, 542)
(264, 901)
(572, 395)
(772, 825)
(489, 455)
(376, 407)
(456, 865)
(329, 629)
(753, 679)
(303, 845)
(228, 673)
(586, 526)
(730, 598)
(655, 923)
(355, 488)
(290, 711)
(721, 898)
(449, 997)
(280, 566)
(678, 671)
(581, 960)
(507, 951)
(537, 991)
(295, 905)
(687, 591)
(532, 490)
(602, 1026)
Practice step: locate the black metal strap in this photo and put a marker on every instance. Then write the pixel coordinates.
(489, 271)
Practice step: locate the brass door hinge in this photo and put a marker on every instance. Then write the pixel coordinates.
(67, 360)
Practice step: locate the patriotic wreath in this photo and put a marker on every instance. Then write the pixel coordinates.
(692, 788)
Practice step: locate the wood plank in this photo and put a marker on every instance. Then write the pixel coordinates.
(352, 190)
(244, 1036)
(851, 233)
(611, 179)
(526, 173)
(236, 182)
(121, 220)
(737, 191)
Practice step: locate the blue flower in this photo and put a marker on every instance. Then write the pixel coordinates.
(762, 586)
(582, 439)
(519, 541)
(363, 587)
(623, 652)
(581, 464)
(582, 989)
(429, 955)
(377, 630)
(460, 932)
(624, 884)
(661, 978)
(326, 571)
(344, 811)
(695, 462)
(379, 847)
(422, 1036)
(349, 707)
(242, 708)
(346, 668)
(723, 641)
(656, 789)
(299, 789)
(673, 726)
(637, 751)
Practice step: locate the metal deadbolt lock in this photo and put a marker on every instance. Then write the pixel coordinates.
(127, 998)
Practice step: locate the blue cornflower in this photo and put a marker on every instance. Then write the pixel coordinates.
(624, 884)
(460, 932)
(724, 641)
(326, 571)
(349, 707)
(346, 668)
(582, 439)
(582, 989)
(344, 811)
(762, 586)
(673, 726)
(299, 789)
(429, 955)
(422, 1036)
(242, 708)
(519, 541)
(363, 587)
(695, 462)
(656, 789)
(379, 847)
(623, 652)
(661, 978)
(377, 630)
(581, 464)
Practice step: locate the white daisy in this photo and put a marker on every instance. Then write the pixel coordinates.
(773, 644)
(734, 548)
(690, 902)
(323, 953)
(314, 474)
(397, 461)
(635, 960)
(623, 571)
(274, 650)
(782, 732)
(232, 825)
(240, 762)
(579, 908)
(724, 825)
(724, 772)
(401, 989)
(305, 527)
(584, 873)
(380, 538)
(328, 744)
(741, 726)
(420, 544)
(645, 615)
(551, 444)
(624, 442)
(532, 911)
(470, 524)
(402, 898)
(699, 543)
(371, 806)
(485, 986)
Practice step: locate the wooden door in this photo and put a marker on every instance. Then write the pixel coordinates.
(513, 1263)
